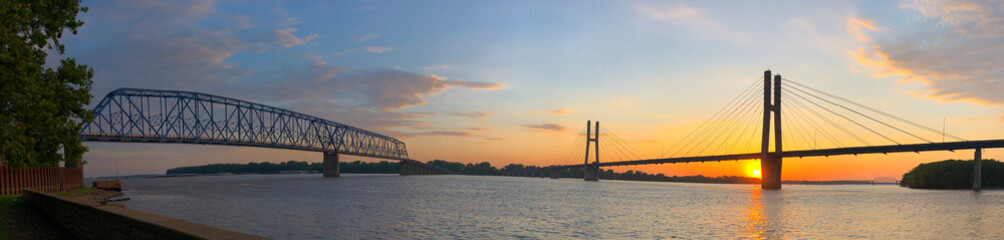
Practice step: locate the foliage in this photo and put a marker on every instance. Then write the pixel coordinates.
(483, 168)
(954, 174)
(40, 108)
(75, 192)
(7, 203)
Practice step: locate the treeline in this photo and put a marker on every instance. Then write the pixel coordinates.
(486, 168)
(268, 167)
(483, 168)
(954, 174)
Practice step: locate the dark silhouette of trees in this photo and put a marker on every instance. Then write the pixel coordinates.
(268, 167)
(954, 174)
(483, 168)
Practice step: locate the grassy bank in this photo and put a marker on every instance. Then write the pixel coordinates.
(7, 202)
(18, 220)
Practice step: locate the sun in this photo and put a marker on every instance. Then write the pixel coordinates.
(756, 172)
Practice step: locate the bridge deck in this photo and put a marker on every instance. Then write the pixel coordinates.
(923, 147)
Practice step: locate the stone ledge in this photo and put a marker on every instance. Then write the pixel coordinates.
(90, 220)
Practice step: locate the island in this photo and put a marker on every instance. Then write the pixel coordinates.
(953, 174)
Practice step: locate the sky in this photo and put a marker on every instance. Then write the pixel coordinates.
(514, 81)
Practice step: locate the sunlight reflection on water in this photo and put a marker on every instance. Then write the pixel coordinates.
(394, 207)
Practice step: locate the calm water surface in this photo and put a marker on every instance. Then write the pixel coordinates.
(396, 207)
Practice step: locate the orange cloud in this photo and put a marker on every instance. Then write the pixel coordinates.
(562, 111)
(547, 127)
(954, 52)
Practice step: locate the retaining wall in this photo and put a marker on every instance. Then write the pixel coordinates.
(90, 220)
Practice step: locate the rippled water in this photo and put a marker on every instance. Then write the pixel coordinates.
(395, 207)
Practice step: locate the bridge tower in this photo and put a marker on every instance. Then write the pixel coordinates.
(592, 171)
(770, 163)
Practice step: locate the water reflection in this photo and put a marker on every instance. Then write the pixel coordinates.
(763, 222)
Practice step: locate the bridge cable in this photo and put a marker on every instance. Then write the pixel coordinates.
(624, 143)
(580, 144)
(800, 129)
(566, 152)
(717, 129)
(744, 123)
(706, 125)
(749, 142)
(801, 117)
(752, 86)
(861, 114)
(827, 120)
(615, 145)
(787, 125)
(713, 130)
(818, 115)
(877, 111)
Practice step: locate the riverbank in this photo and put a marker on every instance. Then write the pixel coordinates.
(18, 220)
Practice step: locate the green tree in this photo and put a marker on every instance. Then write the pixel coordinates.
(41, 109)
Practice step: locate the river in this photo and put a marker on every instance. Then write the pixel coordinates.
(465, 207)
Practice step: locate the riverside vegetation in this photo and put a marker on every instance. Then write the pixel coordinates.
(954, 174)
(483, 168)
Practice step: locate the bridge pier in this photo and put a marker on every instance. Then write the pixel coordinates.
(977, 171)
(543, 174)
(592, 173)
(406, 168)
(770, 173)
(554, 173)
(330, 165)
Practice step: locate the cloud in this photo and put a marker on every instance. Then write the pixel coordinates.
(479, 129)
(374, 49)
(286, 38)
(858, 27)
(367, 37)
(371, 49)
(547, 127)
(242, 22)
(562, 111)
(155, 44)
(1000, 118)
(383, 90)
(436, 67)
(165, 45)
(436, 133)
(956, 50)
(393, 89)
(478, 115)
(694, 20)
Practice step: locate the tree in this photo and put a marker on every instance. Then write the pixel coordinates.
(41, 109)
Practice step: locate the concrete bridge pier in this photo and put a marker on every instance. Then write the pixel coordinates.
(330, 165)
(406, 168)
(770, 173)
(543, 174)
(554, 174)
(977, 171)
(592, 173)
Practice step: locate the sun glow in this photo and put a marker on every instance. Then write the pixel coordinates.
(756, 172)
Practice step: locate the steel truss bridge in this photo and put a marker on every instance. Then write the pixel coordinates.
(166, 116)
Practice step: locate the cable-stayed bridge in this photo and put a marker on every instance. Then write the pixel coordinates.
(844, 126)
(164, 116)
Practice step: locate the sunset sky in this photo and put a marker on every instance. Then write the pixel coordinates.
(514, 81)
